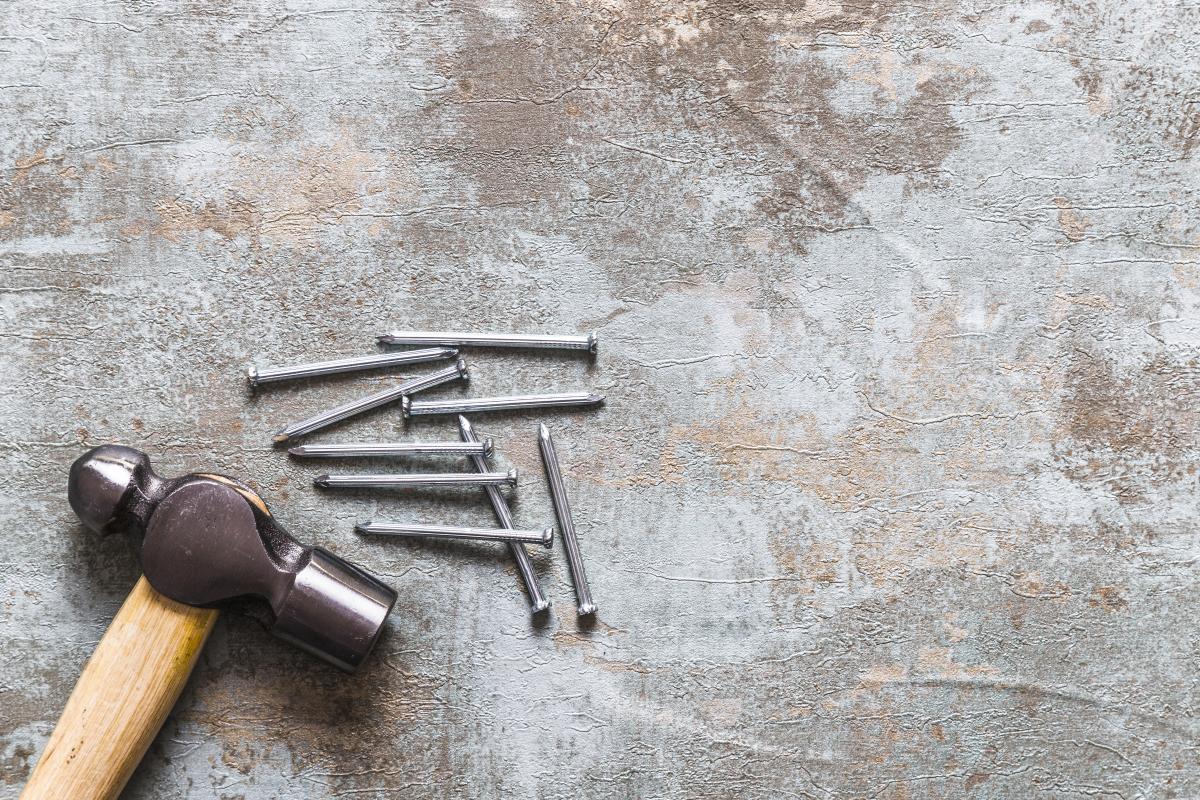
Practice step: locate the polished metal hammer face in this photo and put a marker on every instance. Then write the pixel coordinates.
(209, 538)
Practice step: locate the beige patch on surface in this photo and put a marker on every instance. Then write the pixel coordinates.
(23, 165)
(1037, 587)
(289, 198)
(876, 68)
(1108, 598)
(758, 240)
(953, 632)
(939, 662)
(1074, 224)
(880, 675)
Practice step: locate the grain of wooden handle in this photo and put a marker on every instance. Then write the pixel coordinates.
(126, 690)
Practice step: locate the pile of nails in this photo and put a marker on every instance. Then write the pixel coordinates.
(434, 346)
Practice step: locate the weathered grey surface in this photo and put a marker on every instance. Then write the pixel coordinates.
(895, 494)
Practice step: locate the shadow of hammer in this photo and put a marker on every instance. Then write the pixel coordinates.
(207, 539)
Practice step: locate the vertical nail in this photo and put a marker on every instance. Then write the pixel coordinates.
(537, 600)
(566, 524)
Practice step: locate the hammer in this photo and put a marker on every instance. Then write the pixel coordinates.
(207, 539)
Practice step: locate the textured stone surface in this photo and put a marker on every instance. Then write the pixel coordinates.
(895, 492)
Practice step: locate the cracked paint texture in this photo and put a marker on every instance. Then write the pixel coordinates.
(895, 492)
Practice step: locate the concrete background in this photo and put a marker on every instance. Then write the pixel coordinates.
(895, 492)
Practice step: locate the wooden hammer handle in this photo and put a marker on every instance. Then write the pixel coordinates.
(126, 690)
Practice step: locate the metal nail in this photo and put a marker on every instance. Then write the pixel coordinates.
(417, 479)
(537, 600)
(457, 338)
(257, 376)
(566, 524)
(545, 537)
(390, 449)
(416, 408)
(346, 410)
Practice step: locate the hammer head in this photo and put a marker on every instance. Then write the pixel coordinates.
(112, 488)
(209, 539)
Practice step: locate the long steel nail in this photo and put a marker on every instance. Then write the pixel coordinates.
(346, 410)
(257, 376)
(459, 338)
(566, 524)
(417, 479)
(537, 600)
(390, 449)
(545, 538)
(418, 408)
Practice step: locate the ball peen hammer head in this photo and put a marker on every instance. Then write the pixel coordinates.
(209, 538)
(112, 488)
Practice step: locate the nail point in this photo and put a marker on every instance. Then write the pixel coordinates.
(592, 342)
(252, 376)
(586, 610)
(321, 481)
(548, 538)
